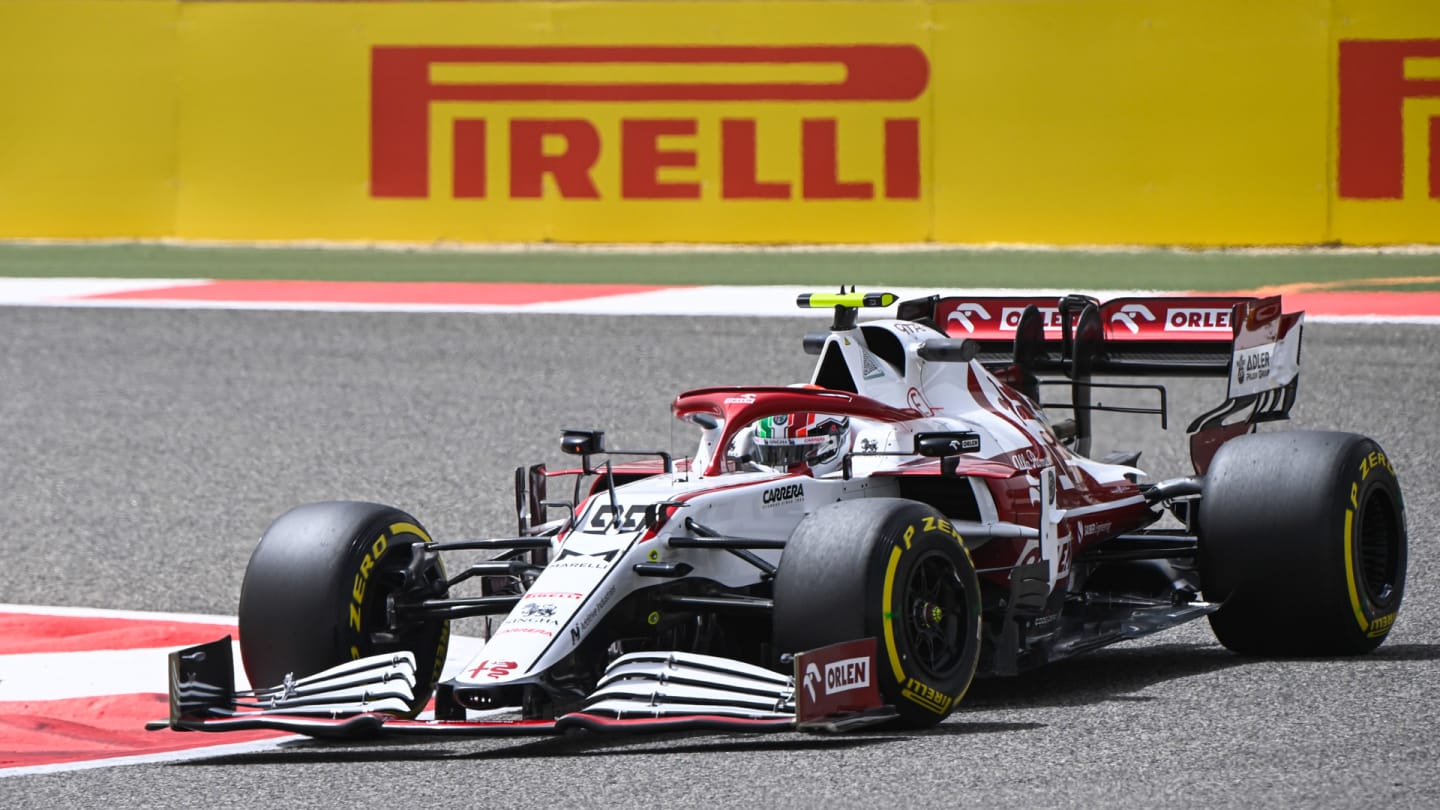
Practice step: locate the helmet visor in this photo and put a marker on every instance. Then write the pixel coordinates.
(785, 453)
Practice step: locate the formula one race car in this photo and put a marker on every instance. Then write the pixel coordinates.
(851, 550)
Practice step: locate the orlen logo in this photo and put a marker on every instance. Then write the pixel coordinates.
(1376, 78)
(851, 673)
(964, 312)
(566, 149)
(1128, 314)
(1049, 318)
(1184, 319)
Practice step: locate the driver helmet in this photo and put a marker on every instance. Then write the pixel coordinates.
(790, 439)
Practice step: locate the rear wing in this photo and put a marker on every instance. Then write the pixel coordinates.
(1250, 341)
(1127, 336)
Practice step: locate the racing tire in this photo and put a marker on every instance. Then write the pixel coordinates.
(1302, 540)
(897, 571)
(316, 589)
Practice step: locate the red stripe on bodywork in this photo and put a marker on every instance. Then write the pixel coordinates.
(379, 292)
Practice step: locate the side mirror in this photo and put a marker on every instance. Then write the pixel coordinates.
(948, 350)
(537, 494)
(704, 420)
(582, 442)
(948, 443)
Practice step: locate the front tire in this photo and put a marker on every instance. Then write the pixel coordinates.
(894, 570)
(1303, 540)
(316, 590)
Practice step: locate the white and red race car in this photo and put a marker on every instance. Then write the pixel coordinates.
(849, 551)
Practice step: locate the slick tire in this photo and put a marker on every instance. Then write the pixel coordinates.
(894, 570)
(315, 593)
(1302, 540)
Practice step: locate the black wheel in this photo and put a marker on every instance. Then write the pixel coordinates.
(894, 570)
(316, 590)
(1302, 540)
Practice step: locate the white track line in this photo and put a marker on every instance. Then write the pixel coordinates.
(224, 749)
(720, 301)
(98, 613)
(46, 290)
(90, 673)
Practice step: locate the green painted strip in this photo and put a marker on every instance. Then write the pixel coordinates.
(955, 269)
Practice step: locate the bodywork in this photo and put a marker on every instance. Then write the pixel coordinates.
(653, 566)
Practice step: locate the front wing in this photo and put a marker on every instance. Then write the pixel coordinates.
(640, 692)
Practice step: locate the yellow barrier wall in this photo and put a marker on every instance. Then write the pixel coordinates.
(87, 118)
(1151, 121)
(1387, 150)
(1043, 121)
(318, 119)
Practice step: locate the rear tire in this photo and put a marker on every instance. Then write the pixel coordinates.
(315, 594)
(894, 570)
(1303, 540)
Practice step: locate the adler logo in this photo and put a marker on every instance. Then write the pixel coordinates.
(782, 494)
(553, 146)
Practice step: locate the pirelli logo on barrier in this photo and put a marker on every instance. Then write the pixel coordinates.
(658, 154)
(1379, 82)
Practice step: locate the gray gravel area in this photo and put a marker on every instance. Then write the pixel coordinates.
(142, 453)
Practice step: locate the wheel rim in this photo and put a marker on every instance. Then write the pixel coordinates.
(391, 583)
(934, 608)
(1379, 548)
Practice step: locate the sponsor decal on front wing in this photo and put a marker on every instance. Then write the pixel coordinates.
(836, 679)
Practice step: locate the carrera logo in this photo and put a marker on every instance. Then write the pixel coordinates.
(1377, 77)
(652, 150)
(782, 494)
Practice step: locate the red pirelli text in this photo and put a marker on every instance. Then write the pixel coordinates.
(565, 151)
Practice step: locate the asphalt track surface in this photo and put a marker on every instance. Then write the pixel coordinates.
(143, 452)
